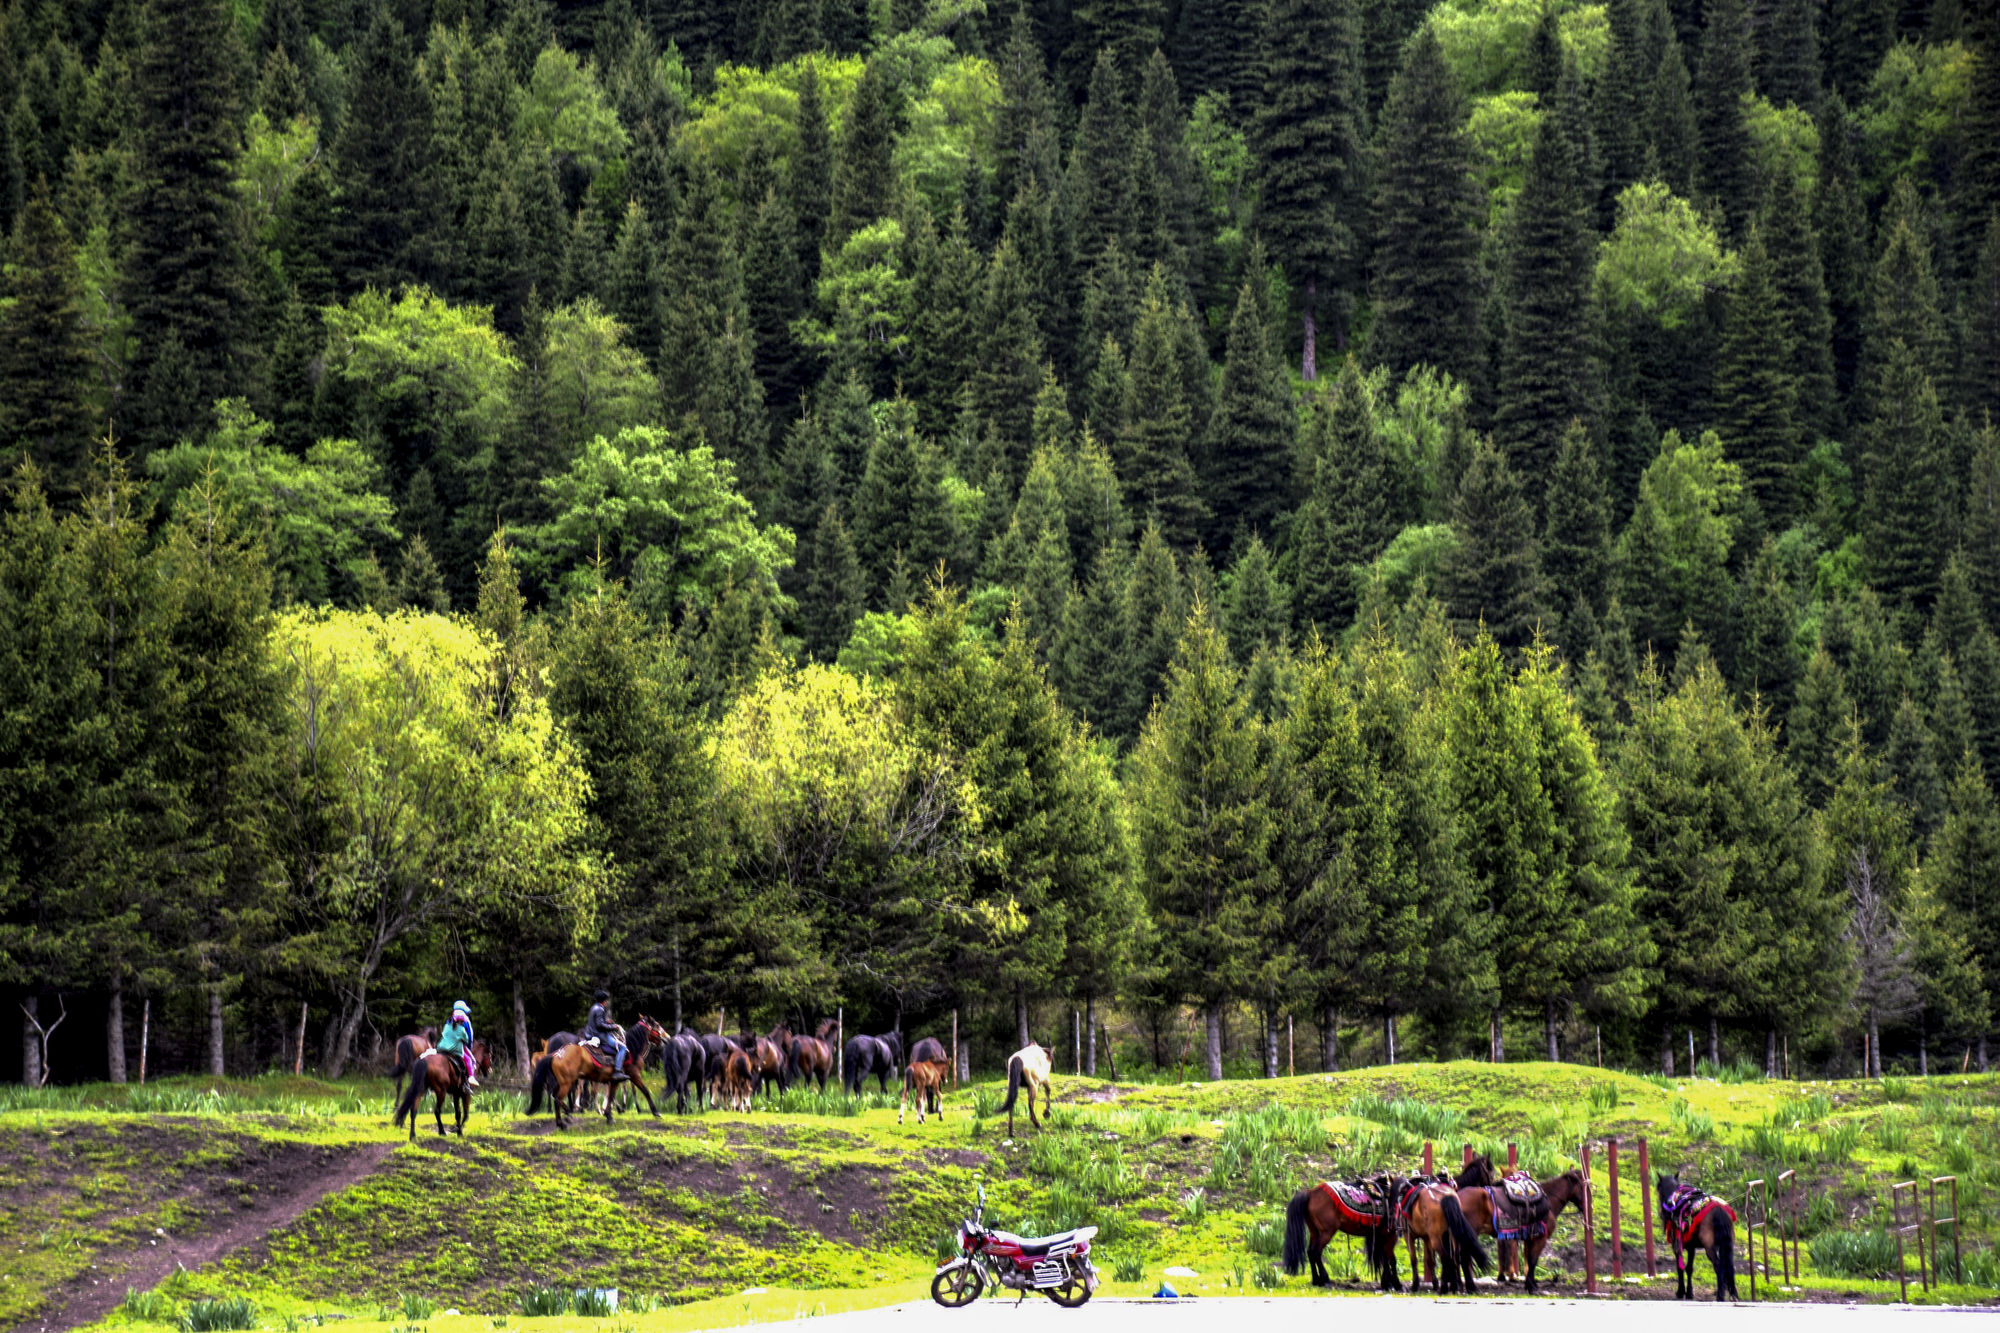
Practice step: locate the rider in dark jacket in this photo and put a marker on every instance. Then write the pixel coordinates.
(600, 1026)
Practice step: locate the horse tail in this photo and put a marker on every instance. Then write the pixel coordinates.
(1463, 1236)
(406, 1105)
(1724, 1253)
(1014, 1076)
(1295, 1231)
(544, 1077)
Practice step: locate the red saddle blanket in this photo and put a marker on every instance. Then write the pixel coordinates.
(1355, 1204)
(1684, 1210)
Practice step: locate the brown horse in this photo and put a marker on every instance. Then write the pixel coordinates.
(442, 1076)
(1693, 1217)
(1431, 1213)
(409, 1049)
(767, 1061)
(1478, 1186)
(560, 1073)
(809, 1059)
(926, 1079)
(735, 1081)
(1326, 1210)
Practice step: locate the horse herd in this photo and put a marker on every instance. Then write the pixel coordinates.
(1449, 1215)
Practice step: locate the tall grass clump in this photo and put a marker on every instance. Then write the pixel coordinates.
(222, 1313)
(542, 1302)
(1892, 1133)
(154, 1307)
(1855, 1254)
(1698, 1126)
(1426, 1120)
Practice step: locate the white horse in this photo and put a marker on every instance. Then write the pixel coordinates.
(1030, 1065)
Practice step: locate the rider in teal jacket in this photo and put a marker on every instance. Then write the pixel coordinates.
(456, 1040)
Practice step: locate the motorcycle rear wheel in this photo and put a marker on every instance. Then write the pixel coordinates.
(959, 1287)
(1070, 1294)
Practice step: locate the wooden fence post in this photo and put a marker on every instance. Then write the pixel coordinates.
(1617, 1217)
(299, 1060)
(954, 1048)
(1646, 1205)
(1589, 1223)
(839, 1044)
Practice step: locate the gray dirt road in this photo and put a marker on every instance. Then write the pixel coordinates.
(1487, 1314)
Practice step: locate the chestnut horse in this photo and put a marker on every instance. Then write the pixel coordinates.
(559, 1074)
(1314, 1212)
(1431, 1213)
(926, 1079)
(767, 1060)
(442, 1076)
(735, 1080)
(1477, 1185)
(409, 1049)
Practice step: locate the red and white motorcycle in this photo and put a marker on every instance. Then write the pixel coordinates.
(1057, 1265)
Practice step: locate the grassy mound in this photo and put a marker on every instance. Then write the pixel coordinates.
(298, 1197)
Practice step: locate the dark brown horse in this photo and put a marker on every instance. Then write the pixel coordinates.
(929, 1048)
(1482, 1195)
(409, 1049)
(809, 1059)
(1693, 1217)
(559, 1073)
(767, 1061)
(442, 1076)
(735, 1080)
(1431, 1214)
(1320, 1212)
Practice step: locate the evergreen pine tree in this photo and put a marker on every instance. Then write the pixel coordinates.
(1009, 372)
(1128, 30)
(1906, 512)
(1493, 576)
(1788, 68)
(1728, 173)
(809, 173)
(1799, 286)
(1095, 649)
(1841, 222)
(1547, 377)
(1158, 611)
(837, 593)
(1904, 302)
(899, 508)
(1576, 543)
(1818, 721)
(419, 581)
(1911, 760)
(1308, 136)
(1208, 49)
(187, 271)
(1766, 662)
(864, 177)
(1346, 518)
(1858, 34)
(632, 285)
(1156, 442)
(1251, 458)
(1255, 609)
(1979, 367)
(1024, 124)
(1963, 870)
(384, 167)
(702, 286)
(1977, 183)
(45, 351)
(730, 409)
(1676, 130)
(1169, 212)
(1620, 109)
(1097, 187)
(1756, 388)
(1428, 210)
(774, 295)
(944, 328)
(1982, 519)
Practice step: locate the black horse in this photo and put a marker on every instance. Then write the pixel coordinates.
(1697, 1221)
(685, 1062)
(863, 1056)
(928, 1050)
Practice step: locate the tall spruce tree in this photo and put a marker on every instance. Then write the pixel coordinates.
(1963, 869)
(1906, 511)
(1979, 364)
(1156, 444)
(1493, 577)
(1309, 137)
(1576, 545)
(1547, 369)
(186, 276)
(1428, 210)
(1347, 516)
(1251, 457)
(1799, 286)
(1756, 388)
(1098, 185)
(45, 352)
(809, 173)
(864, 175)
(899, 507)
(1728, 172)
(1788, 61)
(388, 211)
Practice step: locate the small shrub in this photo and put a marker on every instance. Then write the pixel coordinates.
(1808, 1110)
(541, 1302)
(1659, 1080)
(1981, 1269)
(1129, 1268)
(593, 1302)
(1820, 1215)
(1194, 1205)
(1957, 1153)
(1773, 1145)
(1893, 1133)
(1838, 1142)
(1420, 1119)
(214, 1316)
(1266, 1277)
(155, 1307)
(418, 1307)
(1895, 1089)
(1698, 1126)
(1603, 1098)
(1855, 1254)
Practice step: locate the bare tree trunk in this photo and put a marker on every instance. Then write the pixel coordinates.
(341, 1047)
(215, 1030)
(521, 1026)
(1309, 357)
(1667, 1048)
(1329, 1032)
(31, 1042)
(1770, 1053)
(1090, 1042)
(114, 1029)
(1714, 1044)
(1021, 1037)
(1982, 1053)
(1874, 1066)
(964, 1058)
(1389, 1038)
(1270, 1046)
(1212, 1047)
(1497, 1040)
(677, 979)
(1549, 1028)
(1923, 1052)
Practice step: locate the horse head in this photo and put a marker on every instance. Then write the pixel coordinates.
(827, 1028)
(481, 1055)
(1478, 1171)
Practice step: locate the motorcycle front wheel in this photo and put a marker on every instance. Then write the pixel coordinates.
(1070, 1294)
(959, 1287)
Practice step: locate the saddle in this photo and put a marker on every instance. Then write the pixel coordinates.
(598, 1055)
(1356, 1203)
(1684, 1209)
(1520, 1210)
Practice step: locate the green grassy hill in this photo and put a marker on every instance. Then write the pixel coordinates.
(299, 1196)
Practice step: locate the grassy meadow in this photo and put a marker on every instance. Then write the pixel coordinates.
(827, 1204)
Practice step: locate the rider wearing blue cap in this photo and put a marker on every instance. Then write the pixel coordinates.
(456, 1040)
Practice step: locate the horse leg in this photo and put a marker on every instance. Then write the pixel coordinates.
(645, 1092)
(1032, 1119)
(437, 1109)
(1534, 1248)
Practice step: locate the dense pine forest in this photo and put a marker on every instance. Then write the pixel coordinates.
(1440, 530)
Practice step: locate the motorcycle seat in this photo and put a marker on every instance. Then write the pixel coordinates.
(1060, 1243)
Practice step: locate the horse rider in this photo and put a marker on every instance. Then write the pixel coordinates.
(456, 1040)
(600, 1029)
